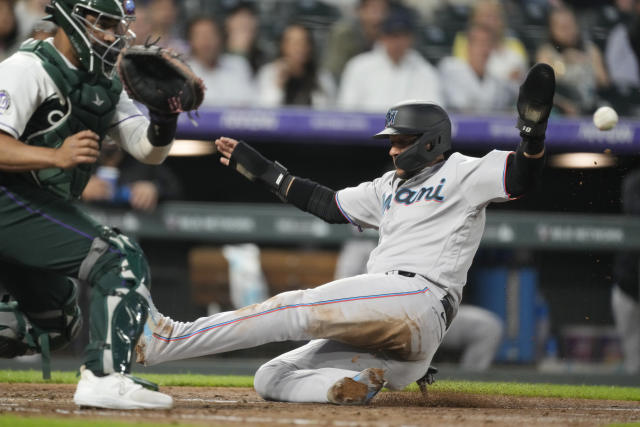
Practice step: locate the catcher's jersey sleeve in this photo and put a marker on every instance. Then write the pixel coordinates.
(479, 182)
(24, 85)
(129, 125)
(362, 205)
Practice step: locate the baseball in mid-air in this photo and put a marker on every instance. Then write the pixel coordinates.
(605, 118)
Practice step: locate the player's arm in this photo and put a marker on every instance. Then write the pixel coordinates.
(16, 156)
(148, 141)
(524, 169)
(305, 194)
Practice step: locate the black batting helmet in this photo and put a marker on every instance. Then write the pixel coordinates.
(425, 119)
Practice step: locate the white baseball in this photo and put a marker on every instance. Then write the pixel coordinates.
(605, 118)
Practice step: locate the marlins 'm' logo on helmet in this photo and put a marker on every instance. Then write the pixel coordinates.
(390, 118)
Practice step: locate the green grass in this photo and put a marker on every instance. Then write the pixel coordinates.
(193, 380)
(486, 388)
(537, 390)
(13, 421)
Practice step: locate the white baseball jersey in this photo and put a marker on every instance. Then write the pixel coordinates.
(431, 223)
(25, 85)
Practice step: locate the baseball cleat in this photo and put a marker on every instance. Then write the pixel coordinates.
(117, 391)
(358, 390)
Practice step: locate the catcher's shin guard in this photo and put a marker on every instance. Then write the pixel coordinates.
(119, 273)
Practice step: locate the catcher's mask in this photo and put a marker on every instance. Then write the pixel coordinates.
(432, 125)
(85, 21)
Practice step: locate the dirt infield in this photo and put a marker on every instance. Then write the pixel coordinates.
(241, 406)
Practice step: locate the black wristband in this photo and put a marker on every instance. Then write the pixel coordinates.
(532, 144)
(162, 128)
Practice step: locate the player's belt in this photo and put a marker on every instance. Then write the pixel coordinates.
(447, 301)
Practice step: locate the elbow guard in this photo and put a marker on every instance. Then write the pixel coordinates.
(316, 199)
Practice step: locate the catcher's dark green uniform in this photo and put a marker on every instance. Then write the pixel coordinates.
(45, 239)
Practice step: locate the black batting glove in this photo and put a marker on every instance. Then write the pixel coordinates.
(257, 168)
(535, 101)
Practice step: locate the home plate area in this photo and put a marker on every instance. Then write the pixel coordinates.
(242, 406)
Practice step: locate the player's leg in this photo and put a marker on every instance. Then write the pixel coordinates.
(626, 313)
(376, 312)
(41, 231)
(478, 333)
(310, 372)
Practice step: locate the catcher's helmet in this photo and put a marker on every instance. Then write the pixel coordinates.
(115, 16)
(425, 119)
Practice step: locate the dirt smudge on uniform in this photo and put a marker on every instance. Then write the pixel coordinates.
(164, 328)
(140, 349)
(393, 336)
(268, 304)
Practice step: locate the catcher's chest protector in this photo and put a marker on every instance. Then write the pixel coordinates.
(89, 102)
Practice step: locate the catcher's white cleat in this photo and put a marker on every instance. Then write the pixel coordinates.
(117, 391)
(358, 390)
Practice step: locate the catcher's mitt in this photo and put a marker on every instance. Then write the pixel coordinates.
(160, 79)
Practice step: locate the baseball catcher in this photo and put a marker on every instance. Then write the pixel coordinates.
(60, 99)
(382, 327)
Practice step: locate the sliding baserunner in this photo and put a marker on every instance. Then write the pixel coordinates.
(382, 327)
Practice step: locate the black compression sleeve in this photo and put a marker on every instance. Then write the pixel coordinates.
(316, 199)
(523, 173)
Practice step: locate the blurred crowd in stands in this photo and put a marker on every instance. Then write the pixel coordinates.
(368, 54)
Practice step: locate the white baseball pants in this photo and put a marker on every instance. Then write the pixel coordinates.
(383, 321)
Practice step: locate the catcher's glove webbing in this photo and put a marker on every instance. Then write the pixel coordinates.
(160, 79)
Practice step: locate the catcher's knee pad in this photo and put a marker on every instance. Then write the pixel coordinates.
(119, 274)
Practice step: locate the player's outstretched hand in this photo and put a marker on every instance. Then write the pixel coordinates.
(79, 148)
(225, 147)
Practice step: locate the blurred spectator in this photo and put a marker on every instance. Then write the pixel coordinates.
(625, 303)
(42, 30)
(294, 78)
(622, 64)
(163, 23)
(508, 58)
(393, 71)
(9, 41)
(121, 180)
(354, 34)
(142, 25)
(227, 77)
(578, 64)
(426, 8)
(471, 88)
(241, 25)
(477, 332)
(29, 14)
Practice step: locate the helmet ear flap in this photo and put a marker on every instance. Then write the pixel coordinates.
(417, 156)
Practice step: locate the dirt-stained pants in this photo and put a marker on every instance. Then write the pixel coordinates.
(371, 320)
